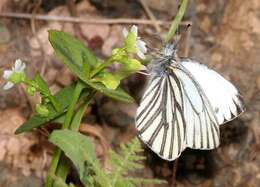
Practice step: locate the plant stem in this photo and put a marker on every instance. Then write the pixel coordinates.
(64, 165)
(56, 157)
(75, 124)
(176, 22)
(79, 87)
(101, 67)
(175, 166)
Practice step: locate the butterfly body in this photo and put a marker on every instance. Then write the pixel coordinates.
(160, 66)
(182, 107)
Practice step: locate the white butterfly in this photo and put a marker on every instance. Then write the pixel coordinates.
(183, 106)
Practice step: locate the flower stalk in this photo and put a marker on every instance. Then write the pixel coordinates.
(176, 22)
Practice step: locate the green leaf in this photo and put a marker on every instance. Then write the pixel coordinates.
(77, 147)
(117, 94)
(132, 65)
(76, 50)
(44, 90)
(128, 67)
(130, 42)
(62, 44)
(59, 182)
(42, 110)
(42, 86)
(63, 97)
(108, 79)
(141, 181)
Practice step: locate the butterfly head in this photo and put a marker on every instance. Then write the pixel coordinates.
(169, 50)
(160, 65)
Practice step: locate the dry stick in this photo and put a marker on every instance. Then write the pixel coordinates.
(33, 28)
(187, 44)
(86, 19)
(150, 15)
(186, 53)
(73, 12)
(175, 166)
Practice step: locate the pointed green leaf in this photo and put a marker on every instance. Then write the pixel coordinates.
(130, 42)
(108, 79)
(77, 147)
(42, 85)
(44, 89)
(76, 50)
(63, 51)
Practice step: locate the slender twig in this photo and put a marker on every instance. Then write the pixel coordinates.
(33, 28)
(176, 22)
(187, 44)
(150, 15)
(174, 171)
(84, 19)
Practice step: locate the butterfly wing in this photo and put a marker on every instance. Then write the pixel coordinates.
(209, 100)
(202, 130)
(222, 95)
(185, 108)
(160, 120)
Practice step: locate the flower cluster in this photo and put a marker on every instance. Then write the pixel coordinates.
(111, 80)
(15, 75)
(133, 42)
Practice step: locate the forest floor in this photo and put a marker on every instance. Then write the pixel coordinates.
(225, 35)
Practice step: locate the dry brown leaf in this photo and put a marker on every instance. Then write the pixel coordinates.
(16, 150)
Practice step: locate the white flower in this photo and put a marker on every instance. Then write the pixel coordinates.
(18, 69)
(139, 44)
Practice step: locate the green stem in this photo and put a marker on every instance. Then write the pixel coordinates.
(176, 22)
(75, 97)
(68, 117)
(75, 124)
(101, 67)
(52, 169)
(64, 165)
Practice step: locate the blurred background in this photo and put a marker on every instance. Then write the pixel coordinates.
(225, 35)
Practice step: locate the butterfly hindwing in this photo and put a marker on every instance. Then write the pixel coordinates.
(222, 95)
(202, 129)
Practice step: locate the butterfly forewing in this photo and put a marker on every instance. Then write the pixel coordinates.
(160, 120)
(222, 95)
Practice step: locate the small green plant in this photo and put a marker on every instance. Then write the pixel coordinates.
(90, 171)
(68, 105)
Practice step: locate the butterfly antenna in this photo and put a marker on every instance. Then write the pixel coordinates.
(154, 51)
(143, 73)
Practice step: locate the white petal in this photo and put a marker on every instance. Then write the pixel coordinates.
(134, 29)
(23, 67)
(7, 74)
(140, 54)
(141, 46)
(8, 85)
(19, 66)
(125, 32)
